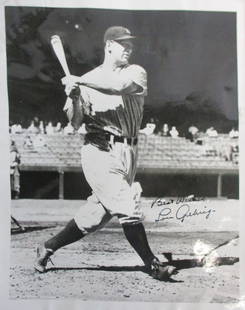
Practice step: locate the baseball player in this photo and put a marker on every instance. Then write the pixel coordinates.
(109, 100)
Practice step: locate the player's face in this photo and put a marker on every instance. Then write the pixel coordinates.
(121, 51)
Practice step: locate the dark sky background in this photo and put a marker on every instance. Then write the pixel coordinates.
(190, 58)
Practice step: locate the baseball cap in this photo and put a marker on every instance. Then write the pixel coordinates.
(117, 33)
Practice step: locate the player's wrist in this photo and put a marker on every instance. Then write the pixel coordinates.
(81, 81)
(70, 80)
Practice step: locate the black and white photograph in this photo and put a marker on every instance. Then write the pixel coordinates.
(123, 146)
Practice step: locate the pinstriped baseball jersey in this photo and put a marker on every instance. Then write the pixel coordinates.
(120, 115)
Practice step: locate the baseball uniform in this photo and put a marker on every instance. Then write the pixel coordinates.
(111, 105)
(110, 151)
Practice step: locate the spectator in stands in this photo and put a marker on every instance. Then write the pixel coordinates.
(32, 128)
(36, 121)
(68, 130)
(28, 144)
(234, 134)
(16, 128)
(58, 129)
(13, 128)
(235, 153)
(152, 121)
(193, 129)
(14, 171)
(165, 130)
(41, 127)
(49, 129)
(211, 132)
(192, 134)
(174, 132)
(149, 128)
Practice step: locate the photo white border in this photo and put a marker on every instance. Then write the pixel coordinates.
(237, 6)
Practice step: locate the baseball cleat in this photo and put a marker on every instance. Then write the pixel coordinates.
(42, 259)
(161, 271)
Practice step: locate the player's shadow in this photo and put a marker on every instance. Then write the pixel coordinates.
(179, 264)
(108, 268)
(101, 268)
(22, 229)
(193, 263)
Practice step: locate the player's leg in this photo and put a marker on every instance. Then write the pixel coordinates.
(111, 183)
(134, 229)
(110, 176)
(136, 236)
(69, 234)
(89, 218)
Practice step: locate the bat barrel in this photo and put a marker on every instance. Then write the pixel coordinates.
(59, 52)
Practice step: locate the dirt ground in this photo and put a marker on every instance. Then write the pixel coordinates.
(104, 267)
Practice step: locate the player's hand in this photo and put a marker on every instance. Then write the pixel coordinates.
(70, 79)
(71, 85)
(75, 92)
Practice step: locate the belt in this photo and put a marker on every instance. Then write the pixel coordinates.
(112, 139)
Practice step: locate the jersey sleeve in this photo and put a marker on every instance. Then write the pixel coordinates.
(139, 76)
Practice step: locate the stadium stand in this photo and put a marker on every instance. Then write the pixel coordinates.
(157, 154)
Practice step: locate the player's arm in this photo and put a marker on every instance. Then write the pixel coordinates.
(75, 112)
(111, 85)
(131, 80)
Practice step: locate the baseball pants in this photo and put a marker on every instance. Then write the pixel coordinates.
(110, 175)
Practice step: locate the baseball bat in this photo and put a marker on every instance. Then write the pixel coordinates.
(59, 52)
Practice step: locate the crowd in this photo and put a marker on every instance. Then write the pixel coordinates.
(193, 133)
(228, 151)
(39, 127)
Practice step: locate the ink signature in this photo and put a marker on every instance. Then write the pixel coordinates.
(183, 212)
(162, 201)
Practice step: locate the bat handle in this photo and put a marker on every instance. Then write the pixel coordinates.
(66, 70)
